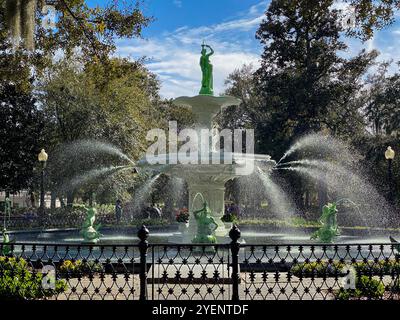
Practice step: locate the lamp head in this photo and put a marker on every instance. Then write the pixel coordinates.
(43, 156)
(389, 153)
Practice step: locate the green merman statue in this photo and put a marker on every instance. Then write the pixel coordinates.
(329, 229)
(206, 225)
(207, 70)
(89, 230)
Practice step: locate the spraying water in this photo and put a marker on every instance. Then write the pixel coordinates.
(322, 145)
(345, 183)
(84, 147)
(90, 175)
(143, 193)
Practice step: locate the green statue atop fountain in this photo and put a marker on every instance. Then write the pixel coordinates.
(329, 229)
(89, 229)
(207, 85)
(206, 225)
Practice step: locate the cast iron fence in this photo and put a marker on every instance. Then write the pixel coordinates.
(197, 271)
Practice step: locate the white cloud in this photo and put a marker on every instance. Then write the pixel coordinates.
(178, 67)
(174, 56)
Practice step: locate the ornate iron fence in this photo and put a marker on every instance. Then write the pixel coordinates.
(198, 271)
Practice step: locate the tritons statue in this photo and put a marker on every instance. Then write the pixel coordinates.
(206, 225)
(329, 229)
(207, 83)
(89, 229)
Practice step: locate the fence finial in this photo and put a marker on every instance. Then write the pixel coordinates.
(143, 233)
(235, 233)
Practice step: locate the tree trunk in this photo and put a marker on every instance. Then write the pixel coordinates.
(13, 19)
(28, 22)
(33, 200)
(53, 200)
(70, 199)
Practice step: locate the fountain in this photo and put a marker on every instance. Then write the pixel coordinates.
(328, 161)
(213, 167)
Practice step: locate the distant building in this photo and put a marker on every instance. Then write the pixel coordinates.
(22, 199)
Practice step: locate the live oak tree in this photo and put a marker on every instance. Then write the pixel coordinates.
(305, 83)
(381, 102)
(371, 15)
(76, 25)
(21, 121)
(21, 125)
(116, 104)
(90, 32)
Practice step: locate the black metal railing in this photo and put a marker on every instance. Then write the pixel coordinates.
(231, 271)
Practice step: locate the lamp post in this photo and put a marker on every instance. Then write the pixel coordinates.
(42, 157)
(389, 155)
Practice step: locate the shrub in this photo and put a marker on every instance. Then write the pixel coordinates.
(78, 267)
(317, 269)
(365, 287)
(370, 287)
(364, 268)
(20, 282)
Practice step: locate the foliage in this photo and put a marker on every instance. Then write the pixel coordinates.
(182, 215)
(79, 268)
(92, 103)
(317, 269)
(365, 287)
(382, 102)
(372, 15)
(305, 84)
(21, 125)
(19, 282)
(77, 25)
(325, 268)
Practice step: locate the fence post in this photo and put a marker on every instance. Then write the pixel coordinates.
(234, 234)
(143, 234)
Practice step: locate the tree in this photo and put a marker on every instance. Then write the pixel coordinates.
(21, 121)
(371, 15)
(115, 103)
(21, 124)
(77, 25)
(241, 84)
(304, 82)
(381, 102)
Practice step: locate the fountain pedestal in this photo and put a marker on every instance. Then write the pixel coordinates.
(212, 169)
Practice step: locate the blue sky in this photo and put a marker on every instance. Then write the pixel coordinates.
(172, 42)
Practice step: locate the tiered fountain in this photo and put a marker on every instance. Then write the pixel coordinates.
(216, 166)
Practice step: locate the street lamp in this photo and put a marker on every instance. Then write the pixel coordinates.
(389, 155)
(42, 157)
